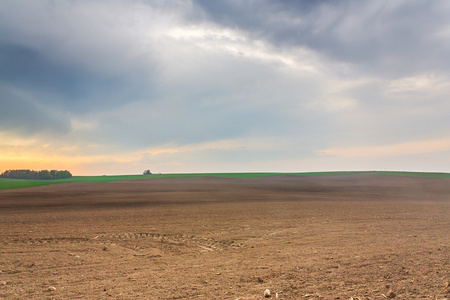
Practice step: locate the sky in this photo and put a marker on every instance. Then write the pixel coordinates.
(121, 86)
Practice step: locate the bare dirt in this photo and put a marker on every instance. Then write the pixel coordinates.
(326, 237)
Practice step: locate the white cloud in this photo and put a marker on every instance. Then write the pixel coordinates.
(428, 85)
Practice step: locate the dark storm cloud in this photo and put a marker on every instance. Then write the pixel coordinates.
(28, 69)
(378, 36)
(78, 56)
(62, 84)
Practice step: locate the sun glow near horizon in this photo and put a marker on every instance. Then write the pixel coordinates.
(182, 159)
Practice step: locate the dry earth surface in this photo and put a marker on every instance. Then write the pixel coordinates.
(360, 236)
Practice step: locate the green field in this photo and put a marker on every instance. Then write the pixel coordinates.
(24, 183)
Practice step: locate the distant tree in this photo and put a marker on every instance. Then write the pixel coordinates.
(54, 174)
(147, 172)
(31, 174)
(45, 175)
(65, 174)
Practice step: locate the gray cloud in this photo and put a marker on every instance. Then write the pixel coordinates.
(73, 53)
(381, 36)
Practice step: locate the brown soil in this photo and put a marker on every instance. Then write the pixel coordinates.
(327, 237)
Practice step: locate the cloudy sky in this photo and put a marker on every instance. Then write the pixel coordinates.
(120, 86)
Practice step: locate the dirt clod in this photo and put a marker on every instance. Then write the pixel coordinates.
(390, 294)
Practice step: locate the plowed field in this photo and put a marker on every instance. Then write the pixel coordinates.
(366, 236)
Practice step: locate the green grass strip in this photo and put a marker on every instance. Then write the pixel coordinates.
(6, 184)
(24, 183)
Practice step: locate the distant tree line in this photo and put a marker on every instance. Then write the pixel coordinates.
(39, 175)
(147, 172)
